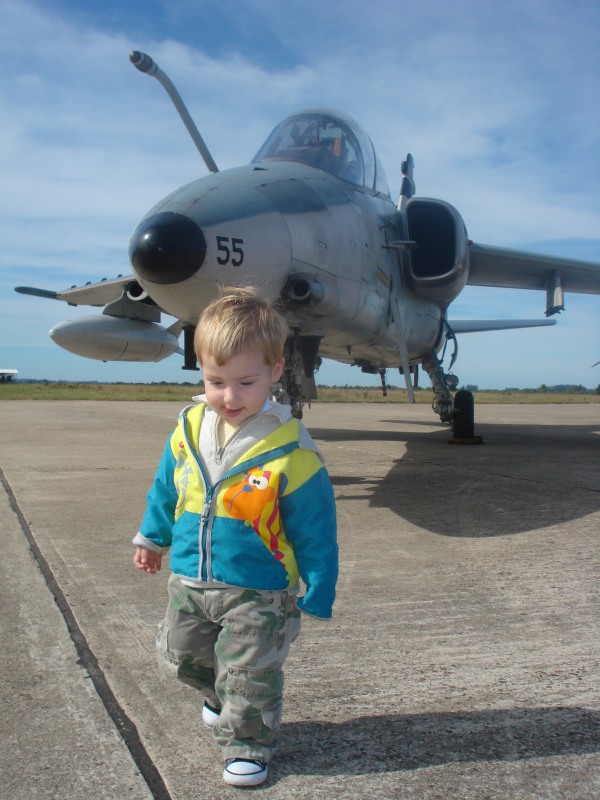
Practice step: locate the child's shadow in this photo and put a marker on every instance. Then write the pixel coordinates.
(393, 743)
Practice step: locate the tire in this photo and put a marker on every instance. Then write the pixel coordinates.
(463, 419)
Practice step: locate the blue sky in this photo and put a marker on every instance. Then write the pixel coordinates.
(499, 104)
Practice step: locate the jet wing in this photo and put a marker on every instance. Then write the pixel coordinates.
(515, 269)
(480, 325)
(92, 294)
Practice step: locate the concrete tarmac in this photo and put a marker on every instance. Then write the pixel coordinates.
(463, 660)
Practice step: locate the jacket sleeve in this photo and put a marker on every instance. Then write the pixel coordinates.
(157, 523)
(309, 520)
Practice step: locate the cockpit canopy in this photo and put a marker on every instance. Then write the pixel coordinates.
(329, 141)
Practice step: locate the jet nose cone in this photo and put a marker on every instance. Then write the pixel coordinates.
(167, 248)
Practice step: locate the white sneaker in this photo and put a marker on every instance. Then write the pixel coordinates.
(209, 715)
(245, 771)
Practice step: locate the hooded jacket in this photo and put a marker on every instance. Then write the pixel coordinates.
(267, 520)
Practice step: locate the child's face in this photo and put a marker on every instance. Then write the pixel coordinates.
(239, 388)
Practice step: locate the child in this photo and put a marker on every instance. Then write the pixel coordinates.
(243, 500)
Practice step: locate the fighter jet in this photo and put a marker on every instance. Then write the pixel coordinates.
(360, 278)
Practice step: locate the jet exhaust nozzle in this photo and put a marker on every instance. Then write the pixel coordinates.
(135, 292)
(314, 294)
(299, 291)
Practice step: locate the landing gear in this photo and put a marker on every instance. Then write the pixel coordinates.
(301, 362)
(443, 402)
(459, 411)
(384, 385)
(293, 393)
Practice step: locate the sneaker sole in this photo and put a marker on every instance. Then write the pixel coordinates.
(245, 780)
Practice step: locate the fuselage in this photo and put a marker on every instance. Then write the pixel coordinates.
(315, 243)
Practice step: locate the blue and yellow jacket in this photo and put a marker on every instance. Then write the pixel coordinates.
(268, 520)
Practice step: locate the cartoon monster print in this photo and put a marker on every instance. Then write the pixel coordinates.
(255, 500)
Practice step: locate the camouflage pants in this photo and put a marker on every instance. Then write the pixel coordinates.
(230, 644)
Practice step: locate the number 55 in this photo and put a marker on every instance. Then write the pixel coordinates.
(235, 254)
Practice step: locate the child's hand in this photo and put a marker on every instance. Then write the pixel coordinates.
(147, 560)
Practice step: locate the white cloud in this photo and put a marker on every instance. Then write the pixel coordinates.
(499, 105)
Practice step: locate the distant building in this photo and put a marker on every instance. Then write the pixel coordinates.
(8, 375)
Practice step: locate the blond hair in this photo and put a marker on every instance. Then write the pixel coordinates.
(241, 319)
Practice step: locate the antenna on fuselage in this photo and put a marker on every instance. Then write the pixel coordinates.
(408, 187)
(144, 63)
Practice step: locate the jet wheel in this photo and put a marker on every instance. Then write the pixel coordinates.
(463, 418)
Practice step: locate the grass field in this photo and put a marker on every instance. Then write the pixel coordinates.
(184, 393)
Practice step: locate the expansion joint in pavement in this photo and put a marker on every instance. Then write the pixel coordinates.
(86, 658)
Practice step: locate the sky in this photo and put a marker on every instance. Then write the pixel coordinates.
(499, 103)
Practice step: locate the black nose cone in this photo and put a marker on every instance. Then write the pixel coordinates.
(167, 248)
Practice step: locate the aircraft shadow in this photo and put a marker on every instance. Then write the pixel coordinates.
(522, 478)
(395, 743)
